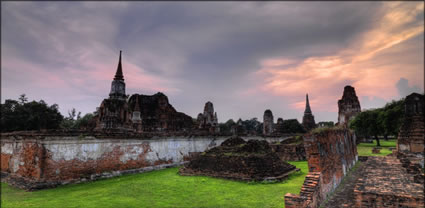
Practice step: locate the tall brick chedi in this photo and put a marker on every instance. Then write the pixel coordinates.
(348, 106)
(308, 118)
(268, 122)
(114, 112)
(138, 113)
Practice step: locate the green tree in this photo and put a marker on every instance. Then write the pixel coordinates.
(75, 121)
(381, 121)
(391, 117)
(83, 122)
(367, 124)
(23, 115)
(225, 127)
(292, 126)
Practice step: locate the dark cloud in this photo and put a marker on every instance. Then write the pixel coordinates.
(199, 51)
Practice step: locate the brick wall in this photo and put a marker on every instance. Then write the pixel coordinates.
(35, 161)
(331, 153)
(309, 195)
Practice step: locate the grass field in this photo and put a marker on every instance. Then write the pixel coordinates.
(163, 188)
(365, 149)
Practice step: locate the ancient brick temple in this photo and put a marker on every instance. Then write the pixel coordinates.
(139, 112)
(348, 106)
(411, 136)
(268, 122)
(208, 120)
(308, 118)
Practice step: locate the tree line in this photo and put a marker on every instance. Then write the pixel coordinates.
(383, 121)
(22, 115)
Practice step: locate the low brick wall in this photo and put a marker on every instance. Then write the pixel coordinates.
(34, 161)
(331, 153)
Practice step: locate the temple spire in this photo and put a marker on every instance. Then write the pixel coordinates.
(118, 74)
(307, 106)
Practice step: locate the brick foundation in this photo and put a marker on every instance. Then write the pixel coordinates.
(386, 183)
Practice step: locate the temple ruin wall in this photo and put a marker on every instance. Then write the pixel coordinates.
(47, 161)
(331, 154)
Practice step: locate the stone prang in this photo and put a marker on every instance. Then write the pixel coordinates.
(208, 120)
(348, 106)
(267, 122)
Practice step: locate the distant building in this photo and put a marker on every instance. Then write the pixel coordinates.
(208, 120)
(268, 122)
(139, 112)
(348, 106)
(308, 118)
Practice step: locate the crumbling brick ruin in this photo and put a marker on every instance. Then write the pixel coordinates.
(330, 153)
(158, 114)
(35, 160)
(348, 106)
(308, 118)
(290, 149)
(138, 113)
(268, 122)
(411, 136)
(208, 120)
(240, 160)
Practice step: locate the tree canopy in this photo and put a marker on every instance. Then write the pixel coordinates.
(381, 121)
(292, 126)
(23, 115)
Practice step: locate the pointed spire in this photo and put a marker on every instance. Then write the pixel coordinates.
(118, 74)
(307, 106)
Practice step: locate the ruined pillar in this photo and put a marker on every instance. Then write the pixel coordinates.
(267, 122)
(411, 135)
(348, 106)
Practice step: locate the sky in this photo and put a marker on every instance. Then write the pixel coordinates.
(244, 57)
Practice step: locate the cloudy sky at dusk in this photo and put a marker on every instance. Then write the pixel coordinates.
(244, 57)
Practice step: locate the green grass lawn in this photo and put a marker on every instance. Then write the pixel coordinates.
(163, 188)
(365, 149)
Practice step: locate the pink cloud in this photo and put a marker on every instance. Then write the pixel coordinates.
(325, 77)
